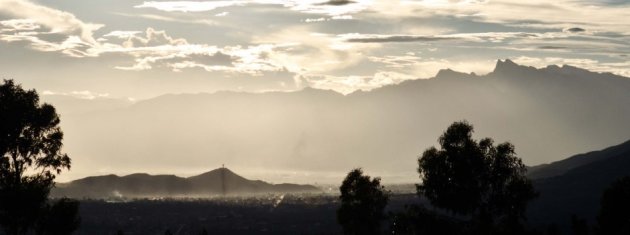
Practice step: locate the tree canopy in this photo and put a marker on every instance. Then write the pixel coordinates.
(30, 156)
(614, 215)
(475, 178)
(363, 201)
(30, 136)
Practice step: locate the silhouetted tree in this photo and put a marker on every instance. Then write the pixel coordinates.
(416, 219)
(552, 229)
(30, 156)
(614, 215)
(362, 203)
(578, 225)
(476, 179)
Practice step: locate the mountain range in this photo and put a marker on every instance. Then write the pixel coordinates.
(221, 181)
(547, 113)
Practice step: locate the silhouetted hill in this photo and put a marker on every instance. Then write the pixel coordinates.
(220, 181)
(562, 166)
(578, 190)
(211, 182)
(546, 113)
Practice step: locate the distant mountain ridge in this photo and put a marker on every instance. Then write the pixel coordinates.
(547, 113)
(221, 181)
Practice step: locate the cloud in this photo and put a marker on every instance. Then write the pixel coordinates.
(531, 14)
(88, 95)
(225, 13)
(574, 30)
(313, 53)
(155, 48)
(393, 61)
(16, 25)
(173, 19)
(336, 2)
(26, 30)
(348, 84)
(55, 20)
(552, 47)
(323, 19)
(375, 39)
(250, 60)
(189, 6)
(47, 29)
(477, 37)
(149, 49)
(331, 7)
(397, 38)
(152, 37)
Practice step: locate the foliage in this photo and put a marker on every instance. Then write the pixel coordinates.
(614, 215)
(30, 156)
(363, 201)
(579, 226)
(477, 179)
(416, 219)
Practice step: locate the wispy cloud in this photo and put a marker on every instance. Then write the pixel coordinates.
(171, 19)
(476, 37)
(55, 20)
(189, 6)
(331, 8)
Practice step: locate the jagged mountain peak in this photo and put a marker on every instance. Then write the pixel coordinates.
(508, 66)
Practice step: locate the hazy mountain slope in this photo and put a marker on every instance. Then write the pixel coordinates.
(216, 182)
(547, 113)
(578, 191)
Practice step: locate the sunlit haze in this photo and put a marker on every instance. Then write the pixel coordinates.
(303, 91)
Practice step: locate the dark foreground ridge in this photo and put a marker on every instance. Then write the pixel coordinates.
(221, 181)
(574, 186)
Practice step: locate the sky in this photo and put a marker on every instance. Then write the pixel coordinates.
(137, 50)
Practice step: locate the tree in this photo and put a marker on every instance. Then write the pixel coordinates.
(476, 179)
(363, 201)
(614, 215)
(30, 156)
(417, 219)
(579, 226)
